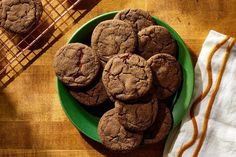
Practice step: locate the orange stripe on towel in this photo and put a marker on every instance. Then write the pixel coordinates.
(212, 99)
(201, 97)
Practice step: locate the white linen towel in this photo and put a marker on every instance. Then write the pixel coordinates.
(220, 140)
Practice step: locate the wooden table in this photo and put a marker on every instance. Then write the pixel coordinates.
(32, 122)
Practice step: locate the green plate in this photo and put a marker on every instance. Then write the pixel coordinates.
(86, 121)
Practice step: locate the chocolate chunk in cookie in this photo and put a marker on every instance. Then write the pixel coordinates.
(161, 127)
(114, 136)
(76, 65)
(166, 73)
(156, 39)
(20, 16)
(127, 77)
(137, 116)
(137, 18)
(112, 37)
(93, 95)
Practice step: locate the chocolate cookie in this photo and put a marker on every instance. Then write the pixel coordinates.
(161, 127)
(93, 95)
(20, 16)
(137, 116)
(127, 77)
(114, 136)
(113, 37)
(156, 39)
(137, 18)
(167, 74)
(76, 65)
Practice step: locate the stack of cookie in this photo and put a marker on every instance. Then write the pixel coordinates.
(139, 73)
(138, 88)
(78, 67)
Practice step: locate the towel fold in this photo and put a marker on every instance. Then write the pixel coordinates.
(220, 139)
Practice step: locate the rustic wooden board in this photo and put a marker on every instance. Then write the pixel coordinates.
(32, 122)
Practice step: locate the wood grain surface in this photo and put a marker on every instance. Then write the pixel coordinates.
(32, 122)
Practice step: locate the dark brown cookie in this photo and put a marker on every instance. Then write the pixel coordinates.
(76, 65)
(138, 18)
(137, 116)
(127, 77)
(114, 136)
(156, 39)
(93, 95)
(167, 74)
(113, 37)
(20, 16)
(161, 127)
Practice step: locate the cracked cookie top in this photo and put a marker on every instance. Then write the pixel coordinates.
(114, 136)
(127, 77)
(137, 116)
(112, 37)
(167, 74)
(91, 96)
(156, 39)
(137, 18)
(20, 16)
(76, 65)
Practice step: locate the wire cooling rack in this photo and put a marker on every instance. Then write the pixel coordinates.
(17, 51)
